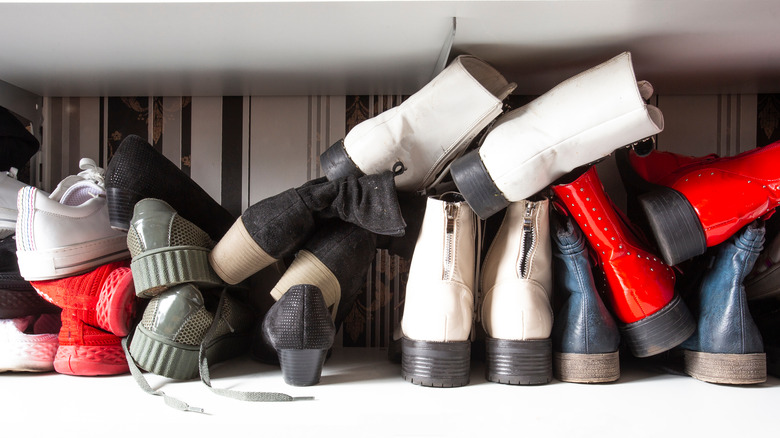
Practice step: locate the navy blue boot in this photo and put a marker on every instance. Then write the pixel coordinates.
(585, 336)
(727, 346)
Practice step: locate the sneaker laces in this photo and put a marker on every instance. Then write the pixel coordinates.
(203, 368)
(92, 172)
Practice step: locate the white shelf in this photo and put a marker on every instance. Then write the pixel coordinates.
(387, 47)
(362, 394)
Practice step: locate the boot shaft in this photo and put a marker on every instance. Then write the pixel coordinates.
(426, 131)
(583, 325)
(639, 283)
(516, 284)
(439, 298)
(581, 120)
(725, 323)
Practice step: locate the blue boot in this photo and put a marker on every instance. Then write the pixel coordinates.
(727, 346)
(585, 336)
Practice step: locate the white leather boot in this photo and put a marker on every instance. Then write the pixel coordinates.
(427, 131)
(439, 304)
(581, 120)
(515, 308)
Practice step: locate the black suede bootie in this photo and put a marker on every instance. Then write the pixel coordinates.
(278, 226)
(137, 171)
(333, 263)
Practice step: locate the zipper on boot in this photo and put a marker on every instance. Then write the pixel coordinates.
(528, 242)
(450, 234)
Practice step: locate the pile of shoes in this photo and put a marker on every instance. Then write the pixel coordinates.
(567, 282)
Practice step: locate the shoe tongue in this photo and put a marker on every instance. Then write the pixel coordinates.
(81, 192)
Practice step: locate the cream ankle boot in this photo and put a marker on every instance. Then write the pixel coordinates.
(515, 306)
(581, 120)
(439, 305)
(427, 131)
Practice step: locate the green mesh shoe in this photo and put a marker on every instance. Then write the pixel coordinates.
(167, 340)
(167, 250)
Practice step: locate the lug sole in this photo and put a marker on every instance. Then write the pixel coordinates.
(302, 367)
(674, 224)
(436, 364)
(515, 362)
(474, 183)
(155, 271)
(586, 368)
(661, 331)
(730, 369)
(159, 355)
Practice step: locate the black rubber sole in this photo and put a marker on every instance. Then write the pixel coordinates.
(675, 225)
(661, 331)
(474, 183)
(302, 367)
(336, 163)
(436, 364)
(121, 203)
(518, 362)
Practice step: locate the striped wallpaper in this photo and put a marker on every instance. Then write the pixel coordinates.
(243, 149)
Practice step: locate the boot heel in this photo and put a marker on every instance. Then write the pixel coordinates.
(336, 163)
(440, 364)
(302, 367)
(732, 369)
(661, 331)
(474, 182)
(586, 368)
(675, 225)
(120, 207)
(518, 362)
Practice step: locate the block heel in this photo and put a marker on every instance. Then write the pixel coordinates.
(661, 331)
(675, 225)
(302, 367)
(731, 369)
(586, 368)
(120, 207)
(518, 362)
(474, 183)
(439, 364)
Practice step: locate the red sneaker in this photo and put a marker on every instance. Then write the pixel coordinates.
(87, 351)
(103, 298)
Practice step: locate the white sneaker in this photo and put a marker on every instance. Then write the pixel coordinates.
(29, 343)
(68, 232)
(9, 188)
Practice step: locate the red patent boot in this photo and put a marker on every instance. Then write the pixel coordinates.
(706, 200)
(640, 287)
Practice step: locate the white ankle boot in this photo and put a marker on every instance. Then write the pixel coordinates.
(439, 304)
(581, 120)
(515, 309)
(427, 131)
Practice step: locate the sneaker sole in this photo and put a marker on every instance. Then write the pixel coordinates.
(157, 270)
(89, 360)
(116, 305)
(164, 357)
(29, 353)
(70, 260)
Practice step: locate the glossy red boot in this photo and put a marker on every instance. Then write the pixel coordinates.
(706, 200)
(639, 287)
